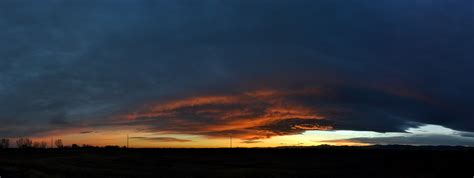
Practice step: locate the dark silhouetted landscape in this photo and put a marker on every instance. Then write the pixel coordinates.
(321, 161)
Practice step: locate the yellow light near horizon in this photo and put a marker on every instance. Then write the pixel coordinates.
(119, 138)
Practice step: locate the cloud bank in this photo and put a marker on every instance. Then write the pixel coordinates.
(266, 113)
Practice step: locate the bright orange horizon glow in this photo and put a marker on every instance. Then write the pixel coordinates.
(119, 138)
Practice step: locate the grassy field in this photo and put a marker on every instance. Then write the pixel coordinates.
(268, 162)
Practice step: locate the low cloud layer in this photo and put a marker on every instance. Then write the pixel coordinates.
(160, 139)
(266, 113)
(426, 139)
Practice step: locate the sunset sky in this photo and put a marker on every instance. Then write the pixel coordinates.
(194, 73)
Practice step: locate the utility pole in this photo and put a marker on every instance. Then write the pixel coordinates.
(231, 141)
(51, 143)
(127, 141)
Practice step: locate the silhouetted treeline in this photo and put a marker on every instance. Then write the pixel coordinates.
(27, 143)
(4, 143)
(24, 143)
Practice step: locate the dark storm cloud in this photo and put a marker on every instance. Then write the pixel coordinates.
(71, 64)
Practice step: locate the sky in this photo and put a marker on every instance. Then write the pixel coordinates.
(189, 73)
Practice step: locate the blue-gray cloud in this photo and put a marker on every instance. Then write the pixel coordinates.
(425, 139)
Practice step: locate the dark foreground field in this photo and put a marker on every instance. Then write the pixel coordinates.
(278, 162)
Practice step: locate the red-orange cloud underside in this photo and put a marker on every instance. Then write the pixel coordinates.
(250, 115)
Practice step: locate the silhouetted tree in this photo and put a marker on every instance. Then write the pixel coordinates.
(36, 144)
(41, 145)
(112, 147)
(4, 143)
(44, 144)
(75, 146)
(24, 143)
(59, 143)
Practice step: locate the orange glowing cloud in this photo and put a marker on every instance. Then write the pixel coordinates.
(262, 114)
(250, 115)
